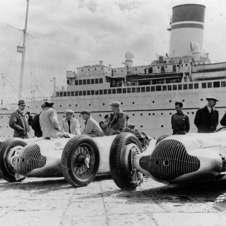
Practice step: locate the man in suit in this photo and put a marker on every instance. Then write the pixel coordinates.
(70, 124)
(206, 118)
(18, 121)
(117, 120)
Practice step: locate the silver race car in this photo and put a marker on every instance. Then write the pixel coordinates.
(78, 159)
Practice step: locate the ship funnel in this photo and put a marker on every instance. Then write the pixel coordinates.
(195, 49)
(187, 25)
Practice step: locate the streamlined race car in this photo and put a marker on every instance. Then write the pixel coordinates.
(178, 159)
(78, 159)
(185, 159)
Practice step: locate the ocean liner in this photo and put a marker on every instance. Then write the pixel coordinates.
(147, 93)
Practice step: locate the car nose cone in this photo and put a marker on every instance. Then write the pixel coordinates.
(169, 161)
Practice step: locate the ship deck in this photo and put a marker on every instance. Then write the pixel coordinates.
(54, 202)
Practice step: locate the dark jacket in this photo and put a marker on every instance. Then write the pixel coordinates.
(36, 125)
(180, 123)
(18, 122)
(205, 121)
(117, 122)
(223, 120)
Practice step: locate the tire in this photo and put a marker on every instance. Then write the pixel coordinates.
(73, 165)
(121, 164)
(6, 171)
(161, 138)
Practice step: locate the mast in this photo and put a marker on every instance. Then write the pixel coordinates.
(23, 50)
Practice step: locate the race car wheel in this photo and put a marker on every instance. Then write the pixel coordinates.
(124, 147)
(80, 160)
(161, 138)
(8, 150)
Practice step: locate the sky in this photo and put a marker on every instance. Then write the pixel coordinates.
(71, 33)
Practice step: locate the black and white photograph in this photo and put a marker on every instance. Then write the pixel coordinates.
(112, 112)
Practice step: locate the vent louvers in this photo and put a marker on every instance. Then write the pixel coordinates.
(173, 161)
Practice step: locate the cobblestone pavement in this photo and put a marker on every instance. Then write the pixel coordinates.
(47, 202)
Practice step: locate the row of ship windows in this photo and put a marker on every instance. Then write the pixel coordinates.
(89, 81)
(129, 90)
(142, 89)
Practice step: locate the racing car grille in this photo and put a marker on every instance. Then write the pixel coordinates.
(170, 160)
(29, 159)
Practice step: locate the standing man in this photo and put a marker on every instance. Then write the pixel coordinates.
(18, 122)
(49, 122)
(92, 128)
(70, 124)
(206, 118)
(36, 123)
(117, 120)
(179, 120)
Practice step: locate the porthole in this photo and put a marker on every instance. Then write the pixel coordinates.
(166, 163)
(133, 103)
(183, 100)
(76, 105)
(133, 114)
(153, 102)
(201, 99)
(157, 162)
(63, 116)
(149, 114)
(161, 113)
(121, 103)
(103, 103)
(99, 115)
(79, 115)
(188, 113)
(69, 105)
(162, 126)
(28, 106)
(141, 114)
(170, 101)
(89, 104)
(60, 106)
(170, 113)
(36, 107)
(193, 113)
(141, 126)
(153, 114)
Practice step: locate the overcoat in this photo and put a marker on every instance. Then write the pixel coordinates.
(205, 121)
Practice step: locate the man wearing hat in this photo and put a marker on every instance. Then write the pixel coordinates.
(70, 124)
(92, 128)
(18, 121)
(49, 122)
(36, 123)
(117, 120)
(206, 118)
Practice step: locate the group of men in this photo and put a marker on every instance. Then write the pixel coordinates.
(45, 124)
(206, 118)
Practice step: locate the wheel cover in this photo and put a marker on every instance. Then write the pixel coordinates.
(127, 161)
(82, 161)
